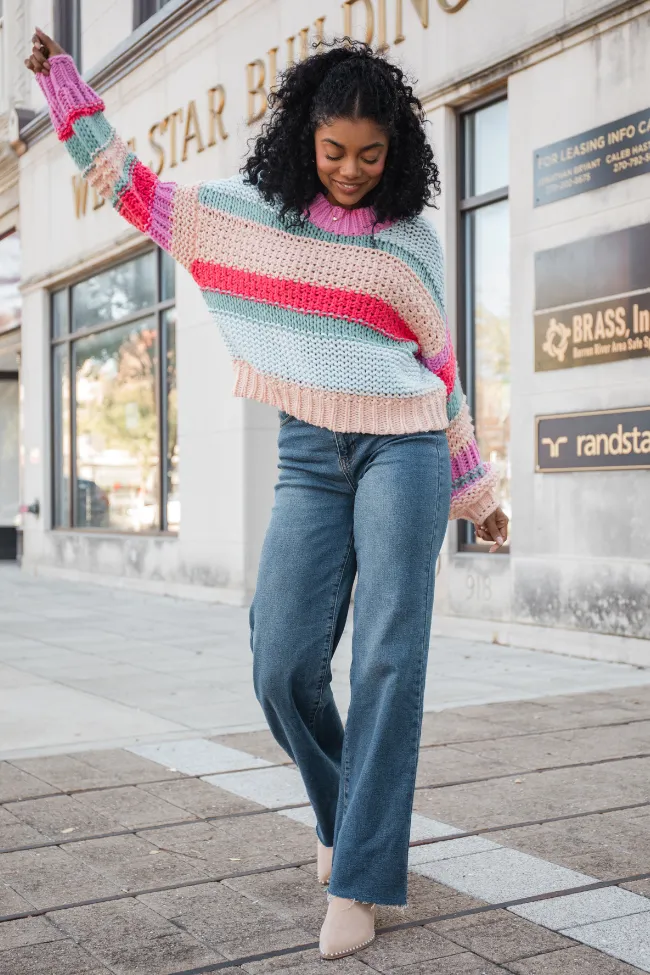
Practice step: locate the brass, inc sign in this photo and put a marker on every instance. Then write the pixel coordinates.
(592, 301)
(593, 159)
(604, 440)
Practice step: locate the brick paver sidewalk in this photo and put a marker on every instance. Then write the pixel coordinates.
(530, 852)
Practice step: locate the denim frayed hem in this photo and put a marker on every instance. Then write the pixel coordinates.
(368, 900)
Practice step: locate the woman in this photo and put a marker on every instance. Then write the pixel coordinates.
(327, 284)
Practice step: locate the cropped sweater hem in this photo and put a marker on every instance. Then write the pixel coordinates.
(341, 411)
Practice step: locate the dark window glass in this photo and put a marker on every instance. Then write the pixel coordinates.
(172, 460)
(60, 313)
(167, 276)
(116, 428)
(484, 328)
(115, 294)
(61, 434)
(487, 159)
(115, 440)
(144, 9)
(67, 27)
(10, 296)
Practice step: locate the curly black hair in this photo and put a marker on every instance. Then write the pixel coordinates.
(346, 81)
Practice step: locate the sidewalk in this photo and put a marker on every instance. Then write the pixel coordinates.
(189, 847)
(84, 665)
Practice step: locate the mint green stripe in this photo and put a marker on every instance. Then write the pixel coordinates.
(455, 400)
(124, 180)
(474, 475)
(92, 134)
(321, 325)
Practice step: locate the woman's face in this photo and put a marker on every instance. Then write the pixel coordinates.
(350, 159)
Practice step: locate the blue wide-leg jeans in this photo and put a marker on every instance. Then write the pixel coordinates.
(377, 507)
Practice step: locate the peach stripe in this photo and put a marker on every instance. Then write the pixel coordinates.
(108, 167)
(344, 412)
(223, 238)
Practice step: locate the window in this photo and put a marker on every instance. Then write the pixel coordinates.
(144, 9)
(3, 61)
(114, 403)
(484, 305)
(67, 27)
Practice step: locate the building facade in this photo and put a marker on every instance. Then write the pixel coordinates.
(147, 472)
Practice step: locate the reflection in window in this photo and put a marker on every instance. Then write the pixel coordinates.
(491, 235)
(172, 459)
(114, 294)
(10, 297)
(61, 432)
(115, 438)
(117, 428)
(484, 335)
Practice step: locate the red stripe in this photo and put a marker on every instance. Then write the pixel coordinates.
(65, 131)
(310, 298)
(448, 374)
(136, 201)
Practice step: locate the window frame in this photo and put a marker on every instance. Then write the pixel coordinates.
(67, 27)
(465, 333)
(157, 311)
(144, 9)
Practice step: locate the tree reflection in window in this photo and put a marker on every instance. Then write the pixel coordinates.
(123, 419)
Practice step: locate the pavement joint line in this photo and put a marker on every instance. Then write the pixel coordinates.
(82, 838)
(130, 785)
(416, 923)
(132, 894)
(435, 785)
(530, 734)
(465, 834)
(402, 925)
(536, 771)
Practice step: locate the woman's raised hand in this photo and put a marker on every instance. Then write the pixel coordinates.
(43, 47)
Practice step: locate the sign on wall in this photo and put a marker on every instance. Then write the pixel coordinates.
(593, 159)
(592, 301)
(603, 440)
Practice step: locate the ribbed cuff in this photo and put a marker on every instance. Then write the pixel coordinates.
(68, 96)
(479, 500)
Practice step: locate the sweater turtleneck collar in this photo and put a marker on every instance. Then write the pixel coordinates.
(340, 220)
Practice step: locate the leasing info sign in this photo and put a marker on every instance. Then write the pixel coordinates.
(593, 159)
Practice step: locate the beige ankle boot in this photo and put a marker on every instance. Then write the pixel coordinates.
(324, 855)
(348, 926)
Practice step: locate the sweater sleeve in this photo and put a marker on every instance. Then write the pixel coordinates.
(473, 483)
(107, 163)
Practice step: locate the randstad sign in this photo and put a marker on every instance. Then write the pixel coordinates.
(600, 440)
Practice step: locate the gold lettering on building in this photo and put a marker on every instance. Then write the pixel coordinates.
(192, 130)
(157, 148)
(452, 6)
(257, 94)
(216, 105)
(370, 18)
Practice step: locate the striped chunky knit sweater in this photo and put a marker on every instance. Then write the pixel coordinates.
(337, 321)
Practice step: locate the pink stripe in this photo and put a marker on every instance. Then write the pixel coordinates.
(307, 298)
(436, 362)
(467, 460)
(68, 96)
(160, 227)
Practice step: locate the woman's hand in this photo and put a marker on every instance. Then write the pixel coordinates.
(494, 529)
(43, 47)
